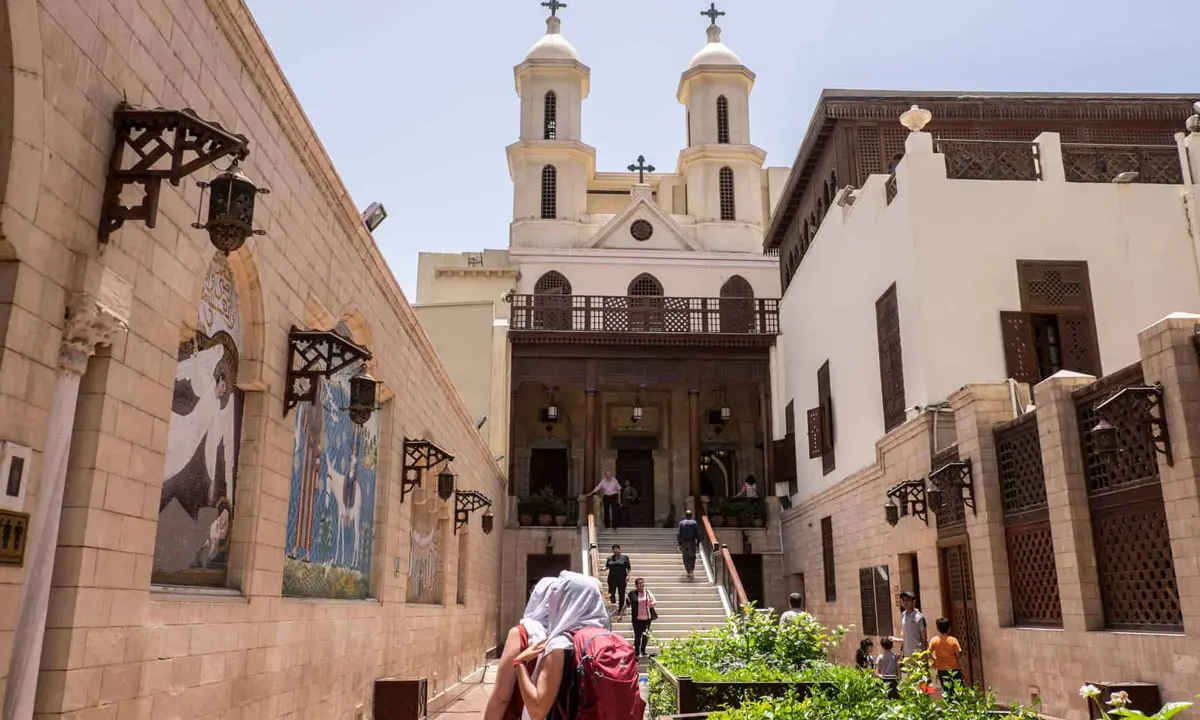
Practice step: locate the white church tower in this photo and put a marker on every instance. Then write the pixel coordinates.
(550, 165)
(721, 167)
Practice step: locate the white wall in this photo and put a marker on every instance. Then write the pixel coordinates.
(951, 246)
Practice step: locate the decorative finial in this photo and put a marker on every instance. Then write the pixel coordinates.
(554, 6)
(712, 13)
(915, 119)
(1193, 122)
(641, 168)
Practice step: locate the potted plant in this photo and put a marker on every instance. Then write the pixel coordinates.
(559, 507)
(716, 511)
(545, 506)
(526, 509)
(758, 514)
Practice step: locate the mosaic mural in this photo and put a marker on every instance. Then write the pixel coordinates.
(195, 512)
(425, 557)
(331, 511)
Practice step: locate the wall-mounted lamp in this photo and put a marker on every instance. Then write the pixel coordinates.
(467, 502)
(420, 455)
(911, 498)
(231, 198)
(893, 512)
(315, 354)
(363, 391)
(374, 216)
(952, 480)
(445, 483)
(1132, 404)
(550, 413)
(638, 412)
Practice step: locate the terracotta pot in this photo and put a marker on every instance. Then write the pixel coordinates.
(545, 520)
(759, 522)
(560, 520)
(525, 520)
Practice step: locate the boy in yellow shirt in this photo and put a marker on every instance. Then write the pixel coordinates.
(946, 653)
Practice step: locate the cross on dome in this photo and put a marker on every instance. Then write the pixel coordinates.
(712, 13)
(641, 168)
(555, 6)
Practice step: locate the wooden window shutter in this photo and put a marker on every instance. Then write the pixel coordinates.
(891, 363)
(825, 394)
(816, 432)
(827, 555)
(866, 590)
(1078, 343)
(1020, 353)
(883, 601)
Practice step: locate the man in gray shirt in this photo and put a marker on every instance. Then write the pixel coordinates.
(913, 633)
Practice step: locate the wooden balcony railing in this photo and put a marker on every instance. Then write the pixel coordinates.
(990, 159)
(724, 572)
(639, 314)
(1154, 164)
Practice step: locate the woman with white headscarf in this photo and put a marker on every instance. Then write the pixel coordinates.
(504, 703)
(574, 602)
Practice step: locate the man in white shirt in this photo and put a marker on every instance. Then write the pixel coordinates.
(611, 489)
(914, 636)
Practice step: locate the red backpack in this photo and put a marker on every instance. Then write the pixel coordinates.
(606, 677)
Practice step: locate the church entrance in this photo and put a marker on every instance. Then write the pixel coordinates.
(548, 469)
(718, 472)
(637, 467)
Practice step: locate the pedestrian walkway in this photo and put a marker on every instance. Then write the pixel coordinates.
(472, 702)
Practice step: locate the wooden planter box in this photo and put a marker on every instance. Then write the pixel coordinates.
(697, 699)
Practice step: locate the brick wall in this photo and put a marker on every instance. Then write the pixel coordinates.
(114, 645)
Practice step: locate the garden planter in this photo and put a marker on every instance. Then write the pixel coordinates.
(525, 520)
(706, 697)
(545, 520)
(560, 520)
(759, 522)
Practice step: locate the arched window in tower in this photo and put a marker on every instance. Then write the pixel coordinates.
(728, 209)
(737, 306)
(552, 302)
(722, 120)
(550, 116)
(645, 304)
(549, 193)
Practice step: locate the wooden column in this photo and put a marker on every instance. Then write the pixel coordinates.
(693, 381)
(768, 435)
(512, 438)
(589, 427)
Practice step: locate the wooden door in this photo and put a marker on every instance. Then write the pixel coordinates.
(548, 469)
(958, 604)
(540, 566)
(750, 570)
(637, 467)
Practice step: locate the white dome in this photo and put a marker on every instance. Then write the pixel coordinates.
(715, 52)
(552, 45)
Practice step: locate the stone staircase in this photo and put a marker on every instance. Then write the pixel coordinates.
(683, 605)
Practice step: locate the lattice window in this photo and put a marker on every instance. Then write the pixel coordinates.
(1022, 480)
(1138, 588)
(990, 160)
(552, 283)
(722, 120)
(876, 600)
(891, 363)
(827, 559)
(952, 511)
(1050, 287)
(549, 193)
(550, 116)
(646, 307)
(728, 208)
(645, 285)
(737, 305)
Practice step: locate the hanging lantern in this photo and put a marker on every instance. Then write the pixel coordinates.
(637, 414)
(933, 496)
(893, 513)
(363, 389)
(445, 484)
(230, 209)
(1104, 439)
(726, 413)
(488, 521)
(552, 413)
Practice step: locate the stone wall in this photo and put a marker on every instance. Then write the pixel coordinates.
(1023, 662)
(116, 644)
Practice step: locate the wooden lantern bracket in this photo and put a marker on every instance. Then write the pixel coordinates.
(465, 503)
(1142, 403)
(910, 496)
(956, 477)
(420, 455)
(313, 354)
(165, 145)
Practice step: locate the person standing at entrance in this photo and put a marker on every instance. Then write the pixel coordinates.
(914, 634)
(610, 487)
(618, 575)
(688, 540)
(641, 608)
(946, 653)
(629, 498)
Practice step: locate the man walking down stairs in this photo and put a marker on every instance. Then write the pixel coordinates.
(683, 604)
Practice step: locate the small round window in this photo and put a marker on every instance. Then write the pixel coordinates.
(641, 230)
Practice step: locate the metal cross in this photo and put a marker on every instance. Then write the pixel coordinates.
(555, 6)
(712, 13)
(641, 169)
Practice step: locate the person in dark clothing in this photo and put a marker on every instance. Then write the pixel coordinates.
(618, 575)
(688, 540)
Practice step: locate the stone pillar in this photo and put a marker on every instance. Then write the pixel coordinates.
(93, 318)
(512, 439)
(767, 485)
(1067, 501)
(694, 448)
(1169, 357)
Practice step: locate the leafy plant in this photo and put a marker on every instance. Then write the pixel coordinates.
(1119, 702)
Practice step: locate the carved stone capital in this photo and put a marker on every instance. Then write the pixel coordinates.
(89, 323)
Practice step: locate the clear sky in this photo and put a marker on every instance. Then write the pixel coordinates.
(415, 101)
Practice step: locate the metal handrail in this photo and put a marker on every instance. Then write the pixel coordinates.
(592, 551)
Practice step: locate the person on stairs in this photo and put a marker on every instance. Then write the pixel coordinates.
(688, 540)
(641, 610)
(618, 575)
(505, 702)
(610, 488)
